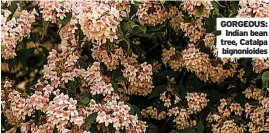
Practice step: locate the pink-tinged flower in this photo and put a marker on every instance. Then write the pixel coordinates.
(66, 77)
(60, 13)
(116, 123)
(56, 92)
(108, 120)
(48, 89)
(79, 120)
(101, 117)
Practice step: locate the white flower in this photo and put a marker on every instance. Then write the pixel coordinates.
(101, 117)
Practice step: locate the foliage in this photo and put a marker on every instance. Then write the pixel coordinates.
(128, 66)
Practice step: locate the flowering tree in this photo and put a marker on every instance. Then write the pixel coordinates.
(128, 66)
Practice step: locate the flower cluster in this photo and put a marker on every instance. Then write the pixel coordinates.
(174, 109)
(167, 54)
(209, 42)
(92, 78)
(99, 21)
(14, 30)
(152, 13)
(260, 64)
(253, 93)
(61, 65)
(196, 102)
(176, 17)
(151, 112)
(110, 59)
(220, 120)
(117, 113)
(95, 64)
(193, 7)
(139, 78)
(253, 8)
(193, 30)
(181, 118)
(198, 62)
(51, 10)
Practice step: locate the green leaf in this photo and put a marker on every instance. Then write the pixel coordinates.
(259, 76)
(37, 116)
(201, 9)
(16, 14)
(120, 32)
(83, 100)
(45, 27)
(12, 8)
(111, 128)
(126, 26)
(114, 85)
(158, 90)
(162, 1)
(66, 19)
(91, 119)
(152, 128)
(131, 111)
(137, 111)
(55, 130)
(265, 79)
(121, 78)
(142, 27)
(73, 87)
(200, 126)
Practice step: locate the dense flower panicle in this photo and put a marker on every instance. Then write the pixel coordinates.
(116, 113)
(209, 41)
(110, 59)
(257, 114)
(152, 13)
(193, 30)
(166, 55)
(93, 74)
(228, 126)
(196, 102)
(20, 106)
(63, 109)
(40, 101)
(221, 121)
(236, 108)
(192, 7)
(139, 78)
(152, 112)
(99, 21)
(182, 118)
(254, 93)
(14, 30)
(61, 65)
(199, 63)
(253, 9)
(176, 17)
(260, 64)
(93, 79)
(51, 10)
(156, 66)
